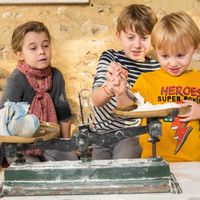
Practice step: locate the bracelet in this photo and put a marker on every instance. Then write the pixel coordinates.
(107, 91)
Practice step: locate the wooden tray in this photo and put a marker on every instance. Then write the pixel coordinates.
(123, 112)
(46, 132)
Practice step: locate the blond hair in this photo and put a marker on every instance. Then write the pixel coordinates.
(176, 32)
(20, 32)
(138, 15)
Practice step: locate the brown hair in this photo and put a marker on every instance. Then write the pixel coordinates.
(20, 32)
(138, 15)
(175, 31)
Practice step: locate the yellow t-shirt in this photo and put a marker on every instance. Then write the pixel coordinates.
(159, 87)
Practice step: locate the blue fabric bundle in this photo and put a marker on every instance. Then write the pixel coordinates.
(16, 121)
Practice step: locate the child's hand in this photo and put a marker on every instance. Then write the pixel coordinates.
(116, 69)
(116, 77)
(194, 114)
(34, 152)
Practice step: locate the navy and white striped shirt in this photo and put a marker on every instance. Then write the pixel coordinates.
(104, 120)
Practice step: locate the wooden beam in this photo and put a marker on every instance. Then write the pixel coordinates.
(43, 1)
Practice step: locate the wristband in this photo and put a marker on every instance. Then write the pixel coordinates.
(106, 90)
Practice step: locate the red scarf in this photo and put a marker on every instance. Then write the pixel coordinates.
(42, 105)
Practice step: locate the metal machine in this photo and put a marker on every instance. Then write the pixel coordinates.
(91, 177)
(86, 176)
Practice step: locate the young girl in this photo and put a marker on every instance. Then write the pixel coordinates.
(35, 81)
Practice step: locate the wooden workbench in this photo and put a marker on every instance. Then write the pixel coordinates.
(187, 175)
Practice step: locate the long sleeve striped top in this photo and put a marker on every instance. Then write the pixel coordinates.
(103, 116)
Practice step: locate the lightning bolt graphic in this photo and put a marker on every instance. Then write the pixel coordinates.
(182, 132)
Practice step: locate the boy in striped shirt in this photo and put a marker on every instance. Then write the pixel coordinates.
(134, 26)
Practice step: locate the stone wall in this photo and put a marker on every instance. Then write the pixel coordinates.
(79, 34)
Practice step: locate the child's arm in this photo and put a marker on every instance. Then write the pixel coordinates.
(61, 104)
(103, 94)
(117, 82)
(65, 128)
(194, 114)
(120, 90)
(14, 83)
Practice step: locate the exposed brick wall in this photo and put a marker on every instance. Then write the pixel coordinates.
(79, 34)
